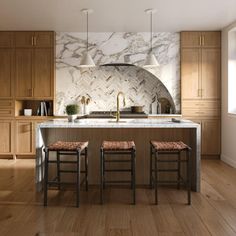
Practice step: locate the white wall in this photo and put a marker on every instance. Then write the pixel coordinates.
(228, 128)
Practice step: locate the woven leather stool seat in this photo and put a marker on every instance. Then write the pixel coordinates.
(67, 146)
(169, 146)
(118, 145)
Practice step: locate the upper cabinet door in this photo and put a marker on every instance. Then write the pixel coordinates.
(211, 39)
(211, 73)
(190, 73)
(43, 39)
(24, 39)
(6, 72)
(23, 73)
(6, 39)
(191, 39)
(43, 73)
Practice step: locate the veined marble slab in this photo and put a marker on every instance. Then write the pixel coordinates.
(101, 84)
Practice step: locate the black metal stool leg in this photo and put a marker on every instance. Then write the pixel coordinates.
(78, 179)
(58, 171)
(46, 177)
(189, 173)
(150, 177)
(86, 168)
(178, 173)
(101, 173)
(156, 178)
(133, 154)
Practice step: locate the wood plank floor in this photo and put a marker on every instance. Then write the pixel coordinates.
(213, 211)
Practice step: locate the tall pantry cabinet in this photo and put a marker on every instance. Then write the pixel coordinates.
(200, 86)
(26, 79)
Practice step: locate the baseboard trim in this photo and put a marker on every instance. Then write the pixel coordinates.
(228, 160)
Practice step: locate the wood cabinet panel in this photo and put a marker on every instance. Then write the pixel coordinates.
(23, 73)
(6, 142)
(44, 39)
(201, 104)
(6, 72)
(190, 73)
(24, 137)
(6, 39)
(24, 39)
(210, 62)
(190, 39)
(210, 137)
(211, 39)
(43, 73)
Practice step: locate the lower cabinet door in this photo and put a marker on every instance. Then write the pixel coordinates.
(24, 137)
(6, 140)
(211, 137)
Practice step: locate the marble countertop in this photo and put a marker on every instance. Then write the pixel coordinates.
(123, 123)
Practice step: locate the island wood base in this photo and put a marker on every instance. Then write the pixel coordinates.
(141, 137)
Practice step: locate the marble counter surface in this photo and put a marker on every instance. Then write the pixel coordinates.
(123, 123)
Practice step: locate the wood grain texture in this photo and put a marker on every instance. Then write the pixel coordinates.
(213, 211)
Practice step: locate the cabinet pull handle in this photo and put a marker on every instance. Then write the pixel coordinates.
(35, 41)
(200, 40)
(32, 41)
(199, 112)
(203, 40)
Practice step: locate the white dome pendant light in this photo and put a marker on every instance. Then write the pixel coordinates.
(151, 60)
(87, 60)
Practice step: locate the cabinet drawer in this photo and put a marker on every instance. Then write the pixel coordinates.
(6, 108)
(6, 104)
(200, 112)
(200, 104)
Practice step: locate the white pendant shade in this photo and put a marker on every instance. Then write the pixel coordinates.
(151, 61)
(87, 60)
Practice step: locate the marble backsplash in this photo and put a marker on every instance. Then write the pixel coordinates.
(102, 83)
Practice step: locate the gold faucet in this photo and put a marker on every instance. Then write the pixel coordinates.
(118, 105)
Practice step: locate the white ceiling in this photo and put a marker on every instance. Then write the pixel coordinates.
(116, 15)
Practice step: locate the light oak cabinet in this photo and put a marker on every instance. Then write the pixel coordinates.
(210, 136)
(24, 137)
(200, 85)
(6, 64)
(26, 78)
(200, 68)
(34, 65)
(6, 72)
(29, 39)
(201, 39)
(6, 137)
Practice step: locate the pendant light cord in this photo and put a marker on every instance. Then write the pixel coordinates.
(151, 32)
(87, 31)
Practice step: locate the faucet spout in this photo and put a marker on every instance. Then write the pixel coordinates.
(118, 105)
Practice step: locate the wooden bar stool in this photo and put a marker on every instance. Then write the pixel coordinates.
(78, 149)
(157, 150)
(118, 148)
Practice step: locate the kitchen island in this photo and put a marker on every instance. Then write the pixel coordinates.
(141, 131)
